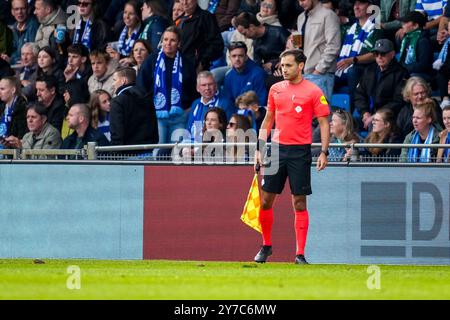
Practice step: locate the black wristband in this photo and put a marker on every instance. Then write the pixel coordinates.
(325, 152)
(260, 145)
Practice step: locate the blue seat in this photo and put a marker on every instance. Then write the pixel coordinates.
(341, 100)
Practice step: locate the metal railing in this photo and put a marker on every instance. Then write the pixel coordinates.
(197, 153)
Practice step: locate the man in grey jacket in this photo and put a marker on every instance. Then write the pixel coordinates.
(50, 16)
(321, 43)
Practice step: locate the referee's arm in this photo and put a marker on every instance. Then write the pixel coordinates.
(322, 161)
(264, 132)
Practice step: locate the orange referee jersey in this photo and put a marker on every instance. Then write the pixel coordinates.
(295, 105)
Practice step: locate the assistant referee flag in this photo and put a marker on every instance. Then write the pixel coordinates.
(250, 215)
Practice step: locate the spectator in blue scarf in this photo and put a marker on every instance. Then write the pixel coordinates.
(443, 155)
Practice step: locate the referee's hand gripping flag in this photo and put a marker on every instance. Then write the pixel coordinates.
(250, 215)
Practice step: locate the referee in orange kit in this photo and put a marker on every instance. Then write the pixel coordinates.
(292, 104)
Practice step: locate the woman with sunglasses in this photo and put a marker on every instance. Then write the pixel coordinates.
(239, 129)
(91, 31)
(268, 13)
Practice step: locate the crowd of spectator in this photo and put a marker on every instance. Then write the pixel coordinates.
(127, 72)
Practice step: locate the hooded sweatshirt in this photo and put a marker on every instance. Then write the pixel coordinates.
(106, 81)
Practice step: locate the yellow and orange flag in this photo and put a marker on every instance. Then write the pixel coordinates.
(250, 215)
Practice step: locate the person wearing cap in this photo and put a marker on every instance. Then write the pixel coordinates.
(416, 53)
(381, 84)
(355, 53)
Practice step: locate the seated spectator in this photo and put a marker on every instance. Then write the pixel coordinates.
(47, 94)
(416, 91)
(28, 73)
(154, 21)
(321, 41)
(141, 50)
(424, 132)
(132, 117)
(383, 130)
(103, 68)
(75, 92)
(100, 105)
(355, 54)
(214, 130)
(24, 29)
(416, 53)
(245, 75)
(78, 67)
(130, 32)
(210, 97)
(248, 105)
(386, 91)
(78, 119)
(238, 132)
(173, 92)
(443, 154)
(50, 17)
(268, 13)
(342, 131)
(91, 31)
(41, 135)
(12, 109)
(48, 65)
(200, 37)
(391, 11)
(268, 41)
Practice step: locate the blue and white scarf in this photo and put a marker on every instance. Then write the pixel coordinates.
(442, 56)
(5, 121)
(353, 42)
(425, 153)
(125, 44)
(212, 7)
(447, 150)
(163, 110)
(195, 124)
(84, 38)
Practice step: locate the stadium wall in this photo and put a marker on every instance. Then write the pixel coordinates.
(357, 214)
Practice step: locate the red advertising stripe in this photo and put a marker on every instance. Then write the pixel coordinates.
(193, 213)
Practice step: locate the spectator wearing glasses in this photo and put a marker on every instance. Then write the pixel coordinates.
(268, 13)
(384, 130)
(424, 132)
(415, 92)
(91, 31)
(24, 29)
(238, 131)
(386, 91)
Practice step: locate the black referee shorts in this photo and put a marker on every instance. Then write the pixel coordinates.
(294, 161)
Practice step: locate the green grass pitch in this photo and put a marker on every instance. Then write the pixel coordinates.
(25, 279)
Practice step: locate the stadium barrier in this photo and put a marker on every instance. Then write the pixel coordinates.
(386, 213)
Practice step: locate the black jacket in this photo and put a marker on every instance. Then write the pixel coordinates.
(270, 45)
(91, 135)
(146, 76)
(424, 56)
(133, 118)
(201, 38)
(18, 126)
(385, 92)
(56, 113)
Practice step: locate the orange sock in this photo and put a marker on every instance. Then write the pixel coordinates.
(266, 219)
(301, 230)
